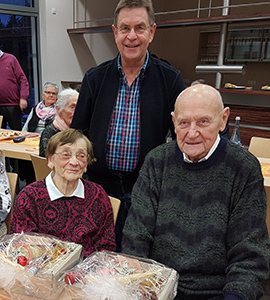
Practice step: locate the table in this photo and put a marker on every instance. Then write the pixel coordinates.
(266, 162)
(21, 150)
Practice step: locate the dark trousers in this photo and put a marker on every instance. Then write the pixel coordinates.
(26, 171)
(12, 115)
(121, 218)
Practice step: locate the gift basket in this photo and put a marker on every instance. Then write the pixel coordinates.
(112, 276)
(31, 265)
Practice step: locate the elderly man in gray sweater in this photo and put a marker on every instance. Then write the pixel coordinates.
(199, 206)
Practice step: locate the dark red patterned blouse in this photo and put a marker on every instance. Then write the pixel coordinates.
(88, 221)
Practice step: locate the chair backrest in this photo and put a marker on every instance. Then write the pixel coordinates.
(40, 165)
(1, 121)
(115, 206)
(260, 147)
(12, 178)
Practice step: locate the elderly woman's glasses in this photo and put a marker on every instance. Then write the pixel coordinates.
(67, 155)
(50, 93)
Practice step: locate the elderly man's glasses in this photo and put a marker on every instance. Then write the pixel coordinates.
(50, 93)
(139, 29)
(67, 155)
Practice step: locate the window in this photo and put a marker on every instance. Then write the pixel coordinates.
(28, 3)
(19, 36)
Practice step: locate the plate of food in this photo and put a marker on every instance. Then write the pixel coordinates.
(266, 87)
(233, 86)
(9, 134)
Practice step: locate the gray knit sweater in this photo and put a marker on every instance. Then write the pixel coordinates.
(206, 220)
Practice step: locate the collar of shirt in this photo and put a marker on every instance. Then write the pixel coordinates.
(55, 194)
(142, 68)
(1, 53)
(213, 148)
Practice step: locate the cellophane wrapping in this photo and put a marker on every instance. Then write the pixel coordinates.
(107, 275)
(31, 265)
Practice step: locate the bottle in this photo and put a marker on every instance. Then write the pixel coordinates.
(235, 138)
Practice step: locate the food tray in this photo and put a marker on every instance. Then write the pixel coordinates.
(112, 276)
(9, 135)
(31, 265)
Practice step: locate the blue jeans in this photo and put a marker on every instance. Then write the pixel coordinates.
(121, 218)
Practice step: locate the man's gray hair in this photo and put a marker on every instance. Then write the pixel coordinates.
(135, 3)
(49, 84)
(63, 97)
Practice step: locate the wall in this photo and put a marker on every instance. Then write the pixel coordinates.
(67, 57)
(180, 46)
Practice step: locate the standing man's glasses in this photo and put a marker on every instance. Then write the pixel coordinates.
(139, 29)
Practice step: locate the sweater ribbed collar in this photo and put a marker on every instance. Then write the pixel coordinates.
(217, 156)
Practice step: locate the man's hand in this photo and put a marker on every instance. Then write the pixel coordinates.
(23, 104)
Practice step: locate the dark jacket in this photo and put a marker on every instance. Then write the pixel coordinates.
(159, 89)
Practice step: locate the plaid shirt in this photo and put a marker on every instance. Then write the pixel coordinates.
(123, 140)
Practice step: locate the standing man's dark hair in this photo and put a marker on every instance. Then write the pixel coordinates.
(147, 4)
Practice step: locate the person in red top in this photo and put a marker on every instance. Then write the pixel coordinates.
(14, 91)
(64, 204)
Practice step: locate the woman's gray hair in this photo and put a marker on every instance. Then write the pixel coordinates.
(48, 84)
(63, 97)
(135, 3)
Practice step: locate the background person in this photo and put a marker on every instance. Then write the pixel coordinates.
(42, 114)
(125, 104)
(14, 91)
(199, 206)
(64, 204)
(5, 195)
(65, 106)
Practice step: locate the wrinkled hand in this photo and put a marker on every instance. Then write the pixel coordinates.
(23, 104)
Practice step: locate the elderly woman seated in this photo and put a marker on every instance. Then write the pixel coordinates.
(63, 204)
(44, 112)
(65, 106)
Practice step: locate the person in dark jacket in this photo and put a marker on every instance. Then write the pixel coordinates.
(125, 104)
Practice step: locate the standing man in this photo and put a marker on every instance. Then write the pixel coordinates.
(199, 206)
(14, 91)
(125, 104)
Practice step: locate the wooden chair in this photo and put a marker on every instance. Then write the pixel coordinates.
(12, 177)
(260, 147)
(1, 121)
(40, 165)
(115, 206)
